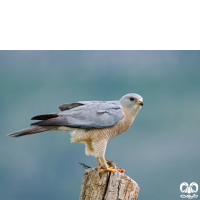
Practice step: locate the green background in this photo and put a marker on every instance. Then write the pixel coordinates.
(160, 150)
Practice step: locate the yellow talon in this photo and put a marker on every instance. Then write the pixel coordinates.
(110, 169)
(107, 169)
(99, 161)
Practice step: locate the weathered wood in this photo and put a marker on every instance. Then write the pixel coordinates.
(107, 186)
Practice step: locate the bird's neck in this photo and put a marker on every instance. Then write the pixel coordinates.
(127, 121)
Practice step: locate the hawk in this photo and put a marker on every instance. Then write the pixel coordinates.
(91, 122)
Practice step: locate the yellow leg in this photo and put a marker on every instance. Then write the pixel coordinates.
(99, 161)
(106, 166)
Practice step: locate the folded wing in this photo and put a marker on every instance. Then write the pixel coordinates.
(85, 114)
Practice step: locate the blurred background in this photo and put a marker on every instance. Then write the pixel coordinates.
(160, 150)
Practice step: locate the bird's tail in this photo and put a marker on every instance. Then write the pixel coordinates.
(31, 130)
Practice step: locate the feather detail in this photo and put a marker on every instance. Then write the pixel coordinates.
(31, 130)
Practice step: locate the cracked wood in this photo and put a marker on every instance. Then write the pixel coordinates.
(107, 186)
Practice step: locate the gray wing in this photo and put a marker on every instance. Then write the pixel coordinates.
(87, 115)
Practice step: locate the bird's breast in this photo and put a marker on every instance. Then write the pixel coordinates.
(110, 132)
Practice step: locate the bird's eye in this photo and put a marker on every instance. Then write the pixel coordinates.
(132, 99)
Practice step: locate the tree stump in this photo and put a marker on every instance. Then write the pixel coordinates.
(107, 186)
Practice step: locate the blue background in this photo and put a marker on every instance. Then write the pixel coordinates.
(160, 150)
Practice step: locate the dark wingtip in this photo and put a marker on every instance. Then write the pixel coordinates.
(35, 123)
(44, 117)
(12, 135)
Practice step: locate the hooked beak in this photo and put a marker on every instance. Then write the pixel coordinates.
(140, 102)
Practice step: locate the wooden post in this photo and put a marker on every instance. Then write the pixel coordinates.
(107, 186)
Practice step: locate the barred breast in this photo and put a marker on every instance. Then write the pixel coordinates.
(96, 139)
(110, 132)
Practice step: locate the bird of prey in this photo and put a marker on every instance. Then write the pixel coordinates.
(91, 122)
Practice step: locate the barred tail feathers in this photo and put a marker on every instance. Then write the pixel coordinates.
(31, 130)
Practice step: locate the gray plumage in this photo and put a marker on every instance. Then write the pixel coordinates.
(31, 130)
(85, 115)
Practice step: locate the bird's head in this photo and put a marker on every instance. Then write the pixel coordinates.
(132, 102)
